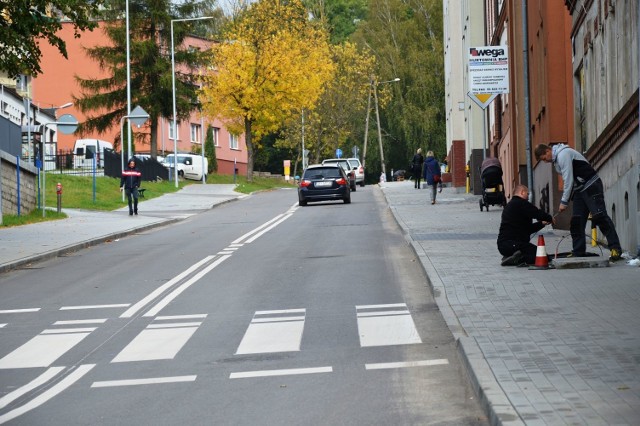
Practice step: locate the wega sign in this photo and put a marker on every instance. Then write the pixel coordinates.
(488, 70)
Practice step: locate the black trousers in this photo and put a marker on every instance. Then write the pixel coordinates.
(133, 204)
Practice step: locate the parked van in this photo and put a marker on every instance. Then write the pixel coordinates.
(85, 149)
(189, 165)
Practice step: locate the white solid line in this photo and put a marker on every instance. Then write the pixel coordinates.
(253, 231)
(391, 305)
(68, 330)
(175, 293)
(135, 308)
(282, 311)
(175, 325)
(269, 228)
(285, 372)
(72, 308)
(388, 365)
(48, 394)
(222, 253)
(136, 382)
(279, 319)
(40, 380)
(381, 313)
(231, 248)
(175, 317)
(236, 245)
(19, 311)
(77, 322)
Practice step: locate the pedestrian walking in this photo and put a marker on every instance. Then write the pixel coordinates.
(583, 185)
(516, 227)
(432, 174)
(129, 183)
(416, 167)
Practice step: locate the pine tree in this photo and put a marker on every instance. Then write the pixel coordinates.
(104, 100)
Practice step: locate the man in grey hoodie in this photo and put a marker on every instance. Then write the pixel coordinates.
(583, 185)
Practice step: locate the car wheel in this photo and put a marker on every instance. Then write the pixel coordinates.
(302, 202)
(347, 199)
(362, 184)
(181, 173)
(480, 202)
(353, 188)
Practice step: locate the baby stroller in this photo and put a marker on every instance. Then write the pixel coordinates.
(492, 185)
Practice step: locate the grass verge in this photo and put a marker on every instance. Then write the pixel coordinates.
(81, 192)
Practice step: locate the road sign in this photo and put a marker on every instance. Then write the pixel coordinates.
(338, 153)
(67, 124)
(488, 70)
(482, 99)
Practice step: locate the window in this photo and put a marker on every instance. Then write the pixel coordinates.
(171, 130)
(233, 141)
(195, 133)
(216, 133)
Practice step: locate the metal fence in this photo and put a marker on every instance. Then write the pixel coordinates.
(108, 163)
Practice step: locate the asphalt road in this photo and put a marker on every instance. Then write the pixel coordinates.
(256, 312)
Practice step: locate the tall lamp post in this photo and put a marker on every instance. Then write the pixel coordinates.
(173, 91)
(138, 117)
(374, 87)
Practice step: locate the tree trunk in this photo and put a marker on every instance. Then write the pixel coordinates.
(153, 147)
(250, 148)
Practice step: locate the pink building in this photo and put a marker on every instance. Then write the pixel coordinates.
(56, 86)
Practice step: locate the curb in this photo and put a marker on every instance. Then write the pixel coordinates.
(83, 244)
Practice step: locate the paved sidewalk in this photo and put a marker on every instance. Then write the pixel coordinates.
(22, 245)
(559, 346)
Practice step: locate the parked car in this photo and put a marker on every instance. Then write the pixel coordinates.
(346, 166)
(189, 165)
(324, 182)
(356, 166)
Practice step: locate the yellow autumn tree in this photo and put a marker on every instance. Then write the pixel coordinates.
(339, 112)
(273, 62)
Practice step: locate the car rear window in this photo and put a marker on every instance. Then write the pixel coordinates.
(319, 173)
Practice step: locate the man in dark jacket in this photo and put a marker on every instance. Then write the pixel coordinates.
(130, 182)
(516, 228)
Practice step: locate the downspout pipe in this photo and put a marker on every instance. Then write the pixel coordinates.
(527, 113)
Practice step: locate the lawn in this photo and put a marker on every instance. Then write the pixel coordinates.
(80, 192)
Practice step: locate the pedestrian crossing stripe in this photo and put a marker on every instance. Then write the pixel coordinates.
(386, 325)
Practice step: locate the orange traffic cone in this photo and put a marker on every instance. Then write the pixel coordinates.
(542, 261)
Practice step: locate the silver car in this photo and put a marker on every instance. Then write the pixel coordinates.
(346, 166)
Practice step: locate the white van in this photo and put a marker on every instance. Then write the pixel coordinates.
(83, 149)
(189, 165)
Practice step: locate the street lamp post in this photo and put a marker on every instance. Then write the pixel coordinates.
(374, 87)
(173, 91)
(139, 118)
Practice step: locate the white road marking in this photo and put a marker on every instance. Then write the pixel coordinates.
(42, 350)
(78, 322)
(222, 253)
(175, 317)
(285, 372)
(175, 293)
(406, 364)
(269, 333)
(145, 301)
(154, 344)
(19, 311)
(68, 330)
(48, 394)
(38, 381)
(137, 382)
(72, 308)
(378, 326)
(269, 228)
(3, 325)
(253, 231)
(175, 325)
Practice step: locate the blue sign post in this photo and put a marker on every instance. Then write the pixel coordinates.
(338, 153)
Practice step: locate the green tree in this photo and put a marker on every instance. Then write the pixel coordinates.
(341, 17)
(406, 39)
(210, 151)
(274, 62)
(25, 23)
(104, 100)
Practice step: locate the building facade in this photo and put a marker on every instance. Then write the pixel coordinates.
(57, 85)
